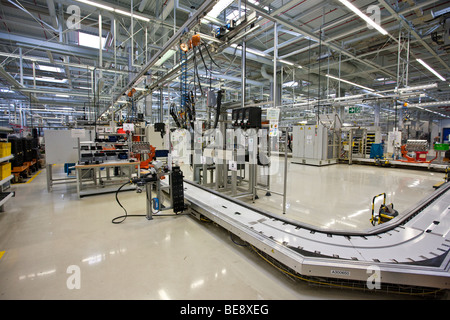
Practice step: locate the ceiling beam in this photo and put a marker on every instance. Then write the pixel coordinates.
(16, 85)
(311, 35)
(411, 29)
(58, 47)
(192, 21)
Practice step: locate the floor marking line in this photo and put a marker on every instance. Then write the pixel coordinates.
(2, 253)
(31, 179)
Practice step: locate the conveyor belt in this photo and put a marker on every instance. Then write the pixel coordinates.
(413, 249)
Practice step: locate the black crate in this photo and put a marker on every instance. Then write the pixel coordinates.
(17, 151)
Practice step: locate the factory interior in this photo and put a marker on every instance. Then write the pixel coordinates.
(224, 150)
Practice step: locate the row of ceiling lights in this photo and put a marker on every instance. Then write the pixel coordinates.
(222, 4)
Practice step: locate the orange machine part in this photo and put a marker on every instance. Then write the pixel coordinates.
(196, 40)
(409, 159)
(131, 92)
(405, 154)
(184, 47)
(146, 163)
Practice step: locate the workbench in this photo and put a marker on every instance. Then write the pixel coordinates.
(97, 178)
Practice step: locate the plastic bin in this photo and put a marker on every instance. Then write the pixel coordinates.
(5, 149)
(5, 170)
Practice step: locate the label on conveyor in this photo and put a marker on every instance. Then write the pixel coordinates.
(341, 272)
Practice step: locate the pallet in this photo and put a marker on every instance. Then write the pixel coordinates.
(20, 172)
(32, 165)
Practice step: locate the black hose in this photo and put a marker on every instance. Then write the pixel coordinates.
(219, 103)
(203, 59)
(209, 54)
(174, 116)
(196, 73)
(126, 214)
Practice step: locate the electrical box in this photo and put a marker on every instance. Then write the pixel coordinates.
(154, 135)
(236, 117)
(252, 117)
(394, 141)
(245, 118)
(211, 98)
(310, 145)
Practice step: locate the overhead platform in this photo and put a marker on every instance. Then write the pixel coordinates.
(412, 249)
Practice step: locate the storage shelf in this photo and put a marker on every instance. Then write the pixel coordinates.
(5, 196)
(2, 182)
(6, 158)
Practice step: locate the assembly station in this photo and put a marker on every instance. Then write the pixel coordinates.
(224, 150)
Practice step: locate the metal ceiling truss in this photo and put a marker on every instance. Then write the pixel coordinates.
(323, 37)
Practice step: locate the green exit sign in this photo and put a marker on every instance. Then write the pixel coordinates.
(354, 109)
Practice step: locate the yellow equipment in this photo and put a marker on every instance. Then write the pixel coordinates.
(386, 212)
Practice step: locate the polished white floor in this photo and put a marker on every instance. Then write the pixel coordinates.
(43, 235)
(340, 196)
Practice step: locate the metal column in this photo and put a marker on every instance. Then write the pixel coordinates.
(243, 75)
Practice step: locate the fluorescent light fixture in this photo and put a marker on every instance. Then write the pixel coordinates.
(135, 16)
(89, 40)
(431, 69)
(286, 62)
(289, 63)
(46, 79)
(290, 84)
(423, 87)
(364, 17)
(352, 83)
(349, 97)
(49, 69)
(219, 7)
(164, 58)
(62, 95)
(430, 104)
(98, 5)
(111, 9)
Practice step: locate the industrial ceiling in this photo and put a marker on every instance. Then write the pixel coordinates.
(53, 74)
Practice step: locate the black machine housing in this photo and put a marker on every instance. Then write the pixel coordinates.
(247, 117)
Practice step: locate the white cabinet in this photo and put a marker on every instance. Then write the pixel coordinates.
(310, 145)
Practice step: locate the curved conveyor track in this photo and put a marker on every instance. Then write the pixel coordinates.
(412, 249)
